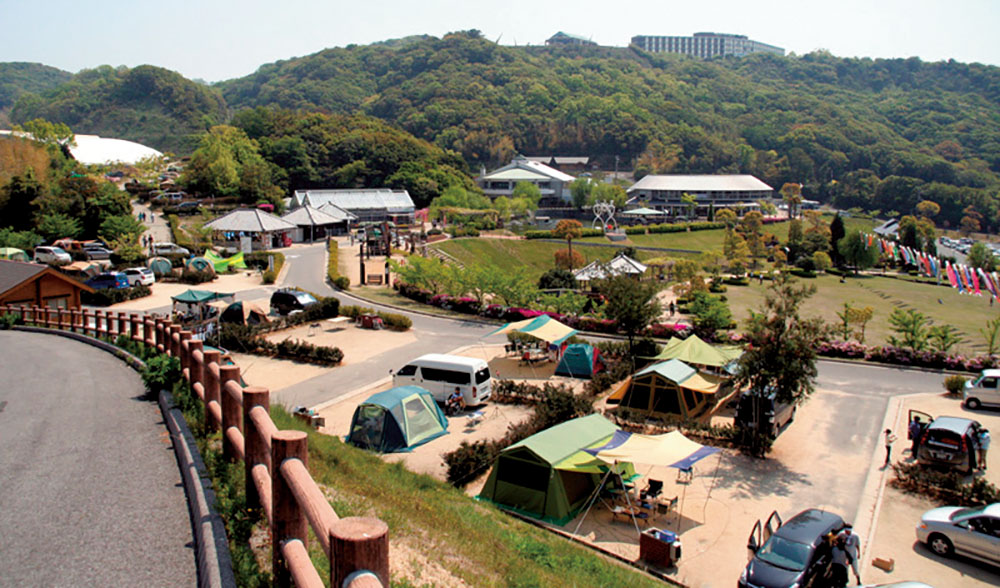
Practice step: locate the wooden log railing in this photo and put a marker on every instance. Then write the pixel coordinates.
(276, 470)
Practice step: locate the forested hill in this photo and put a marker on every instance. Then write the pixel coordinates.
(18, 78)
(147, 104)
(837, 125)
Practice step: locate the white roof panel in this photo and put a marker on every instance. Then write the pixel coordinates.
(701, 183)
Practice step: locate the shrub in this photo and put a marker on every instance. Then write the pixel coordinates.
(160, 373)
(395, 322)
(635, 230)
(802, 273)
(333, 268)
(190, 276)
(9, 319)
(954, 384)
(741, 281)
(109, 296)
(260, 260)
(946, 487)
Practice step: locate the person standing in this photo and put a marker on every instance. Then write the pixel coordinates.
(852, 545)
(889, 440)
(840, 559)
(984, 445)
(913, 433)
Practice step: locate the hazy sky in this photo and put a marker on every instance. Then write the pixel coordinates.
(217, 39)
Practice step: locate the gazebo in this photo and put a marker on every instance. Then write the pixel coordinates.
(619, 265)
(263, 229)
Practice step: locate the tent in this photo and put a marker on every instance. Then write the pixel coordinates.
(200, 264)
(160, 265)
(240, 312)
(580, 360)
(694, 350)
(222, 264)
(667, 388)
(643, 212)
(398, 419)
(548, 476)
(199, 296)
(543, 327)
(620, 264)
(13, 254)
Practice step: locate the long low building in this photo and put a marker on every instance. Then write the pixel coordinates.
(366, 205)
(667, 192)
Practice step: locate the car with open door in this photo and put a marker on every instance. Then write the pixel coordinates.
(794, 554)
(947, 441)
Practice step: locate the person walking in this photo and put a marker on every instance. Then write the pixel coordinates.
(889, 440)
(984, 445)
(852, 545)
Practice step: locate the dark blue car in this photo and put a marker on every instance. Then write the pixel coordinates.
(115, 280)
(796, 554)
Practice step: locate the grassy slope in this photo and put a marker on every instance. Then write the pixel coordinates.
(473, 541)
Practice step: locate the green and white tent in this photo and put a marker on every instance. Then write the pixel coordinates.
(398, 419)
(549, 476)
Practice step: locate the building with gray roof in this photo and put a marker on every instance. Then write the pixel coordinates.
(704, 45)
(366, 205)
(265, 229)
(553, 184)
(666, 192)
(315, 223)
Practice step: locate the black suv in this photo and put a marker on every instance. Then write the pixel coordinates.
(797, 553)
(949, 442)
(286, 301)
(775, 415)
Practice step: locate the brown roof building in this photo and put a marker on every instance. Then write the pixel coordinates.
(33, 284)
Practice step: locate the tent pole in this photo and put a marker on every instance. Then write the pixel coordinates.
(591, 501)
(680, 510)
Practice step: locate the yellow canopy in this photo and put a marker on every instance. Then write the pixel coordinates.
(543, 327)
(701, 384)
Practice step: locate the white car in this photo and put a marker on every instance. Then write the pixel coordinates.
(53, 255)
(972, 532)
(139, 275)
(168, 249)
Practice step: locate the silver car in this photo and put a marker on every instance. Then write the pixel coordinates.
(972, 532)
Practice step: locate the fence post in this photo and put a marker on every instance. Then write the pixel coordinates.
(35, 310)
(134, 326)
(122, 323)
(185, 352)
(359, 543)
(98, 329)
(209, 378)
(174, 340)
(253, 442)
(162, 334)
(196, 369)
(289, 520)
(229, 373)
(148, 332)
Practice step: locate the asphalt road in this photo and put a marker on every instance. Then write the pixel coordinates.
(307, 269)
(90, 493)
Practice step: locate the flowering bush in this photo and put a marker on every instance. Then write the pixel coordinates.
(907, 357)
(667, 330)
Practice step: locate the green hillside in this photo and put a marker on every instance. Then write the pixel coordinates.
(147, 104)
(18, 78)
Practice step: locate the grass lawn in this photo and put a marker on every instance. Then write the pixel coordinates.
(966, 313)
(476, 543)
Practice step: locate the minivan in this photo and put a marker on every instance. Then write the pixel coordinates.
(766, 407)
(795, 553)
(440, 374)
(167, 248)
(983, 390)
(53, 255)
(948, 442)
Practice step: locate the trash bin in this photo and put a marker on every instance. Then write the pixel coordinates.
(661, 548)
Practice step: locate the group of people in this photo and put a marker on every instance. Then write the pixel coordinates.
(915, 430)
(143, 217)
(846, 548)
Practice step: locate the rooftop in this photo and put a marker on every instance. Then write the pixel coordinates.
(701, 183)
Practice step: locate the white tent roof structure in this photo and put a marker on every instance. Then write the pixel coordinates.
(250, 220)
(621, 264)
(701, 183)
(94, 150)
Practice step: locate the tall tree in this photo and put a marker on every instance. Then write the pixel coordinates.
(791, 193)
(837, 233)
(856, 252)
(17, 201)
(568, 229)
(631, 303)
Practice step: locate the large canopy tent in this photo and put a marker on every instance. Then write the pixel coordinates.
(542, 327)
(666, 388)
(580, 360)
(398, 419)
(240, 312)
(671, 449)
(267, 229)
(199, 296)
(549, 476)
(694, 350)
(621, 264)
(222, 264)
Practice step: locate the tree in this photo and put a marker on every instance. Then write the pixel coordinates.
(928, 209)
(796, 238)
(821, 261)
(580, 190)
(780, 353)
(568, 229)
(856, 251)
(981, 257)
(114, 227)
(228, 163)
(991, 333)
(711, 313)
(527, 190)
(837, 233)
(911, 326)
(17, 201)
(57, 226)
(791, 193)
(943, 337)
(689, 202)
(557, 279)
(751, 227)
(631, 303)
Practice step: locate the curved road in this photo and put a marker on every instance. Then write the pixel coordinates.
(90, 493)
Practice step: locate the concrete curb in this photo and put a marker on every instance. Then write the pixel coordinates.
(213, 560)
(215, 565)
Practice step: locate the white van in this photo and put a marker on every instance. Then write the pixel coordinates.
(440, 374)
(983, 390)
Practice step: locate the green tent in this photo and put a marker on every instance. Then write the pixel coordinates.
(548, 476)
(693, 350)
(198, 296)
(580, 360)
(398, 419)
(160, 265)
(13, 253)
(200, 264)
(222, 264)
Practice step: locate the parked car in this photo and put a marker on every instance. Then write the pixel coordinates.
(53, 255)
(97, 252)
(139, 275)
(982, 390)
(775, 415)
(972, 532)
(116, 280)
(286, 301)
(948, 442)
(793, 554)
(190, 207)
(169, 248)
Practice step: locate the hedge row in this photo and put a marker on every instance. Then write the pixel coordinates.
(259, 260)
(945, 487)
(245, 339)
(333, 268)
(548, 234)
(906, 357)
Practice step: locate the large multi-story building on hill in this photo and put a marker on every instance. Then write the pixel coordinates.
(705, 45)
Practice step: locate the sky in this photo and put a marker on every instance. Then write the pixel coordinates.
(215, 40)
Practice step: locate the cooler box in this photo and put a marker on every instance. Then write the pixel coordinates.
(661, 548)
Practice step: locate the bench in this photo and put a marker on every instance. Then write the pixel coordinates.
(374, 279)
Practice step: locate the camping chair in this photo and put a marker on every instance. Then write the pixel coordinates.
(652, 490)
